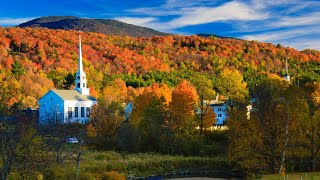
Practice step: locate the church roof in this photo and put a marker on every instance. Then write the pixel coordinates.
(73, 95)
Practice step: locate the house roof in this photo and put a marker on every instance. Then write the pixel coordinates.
(73, 95)
(216, 103)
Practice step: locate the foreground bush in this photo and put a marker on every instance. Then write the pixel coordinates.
(112, 175)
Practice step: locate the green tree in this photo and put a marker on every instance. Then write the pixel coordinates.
(105, 120)
(308, 131)
(17, 68)
(232, 85)
(245, 148)
(69, 80)
(204, 87)
(271, 127)
(152, 125)
(9, 138)
(30, 154)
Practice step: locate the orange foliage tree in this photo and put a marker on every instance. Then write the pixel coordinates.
(184, 100)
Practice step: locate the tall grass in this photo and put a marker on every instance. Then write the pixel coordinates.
(147, 164)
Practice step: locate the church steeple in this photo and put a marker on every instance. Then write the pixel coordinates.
(287, 76)
(80, 68)
(81, 81)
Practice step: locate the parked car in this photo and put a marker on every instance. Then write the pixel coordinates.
(72, 140)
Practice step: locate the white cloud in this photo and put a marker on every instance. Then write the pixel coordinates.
(301, 38)
(227, 12)
(306, 19)
(282, 34)
(303, 44)
(14, 21)
(230, 11)
(137, 21)
(288, 22)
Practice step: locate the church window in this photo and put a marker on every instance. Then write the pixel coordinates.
(84, 85)
(82, 112)
(51, 98)
(78, 85)
(78, 77)
(76, 112)
(88, 111)
(219, 109)
(82, 77)
(219, 115)
(69, 112)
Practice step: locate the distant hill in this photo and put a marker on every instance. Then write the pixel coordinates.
(105, 26)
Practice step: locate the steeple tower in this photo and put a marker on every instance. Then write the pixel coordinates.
(287, 76)
(81, 81)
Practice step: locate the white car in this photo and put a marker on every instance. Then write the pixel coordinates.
(72, 140)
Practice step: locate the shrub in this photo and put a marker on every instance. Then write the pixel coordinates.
(55, 172)
(14, 176)
(86, 176)
(110, 155)
(112, 175)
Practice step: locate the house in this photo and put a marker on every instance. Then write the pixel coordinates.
(68, 106)
(220, 108)
(128, 110)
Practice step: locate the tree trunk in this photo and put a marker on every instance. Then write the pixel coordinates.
(312, 158)
(283, 156)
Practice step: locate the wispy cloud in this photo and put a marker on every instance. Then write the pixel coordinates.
(137, 20)
(14, 21)
(188, 16)
(301, 38)
(303, 43)
(305, 19)
(282, 34)
(227, 12)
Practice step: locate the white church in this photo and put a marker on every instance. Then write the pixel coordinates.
(68, 106)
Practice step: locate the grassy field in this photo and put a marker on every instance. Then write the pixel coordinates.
(293, 176)
(96, 163)
(142, 165)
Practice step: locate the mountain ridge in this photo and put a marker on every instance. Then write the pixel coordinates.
(104, 26)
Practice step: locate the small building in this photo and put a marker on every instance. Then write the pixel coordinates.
(220, 108)
(128, 110)
(287, 76)
(68, 106)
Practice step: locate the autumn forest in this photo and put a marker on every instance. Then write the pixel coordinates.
(168, 79)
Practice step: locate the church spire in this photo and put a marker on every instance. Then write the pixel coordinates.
(287, 76)
(80, 68)
(287, 68)
(81, 81)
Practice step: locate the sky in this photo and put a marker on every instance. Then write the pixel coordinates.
(294, 23)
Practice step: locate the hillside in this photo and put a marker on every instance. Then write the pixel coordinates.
(104, 26)
(33, 60)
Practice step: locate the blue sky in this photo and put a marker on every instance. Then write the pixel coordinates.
(294, 23)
